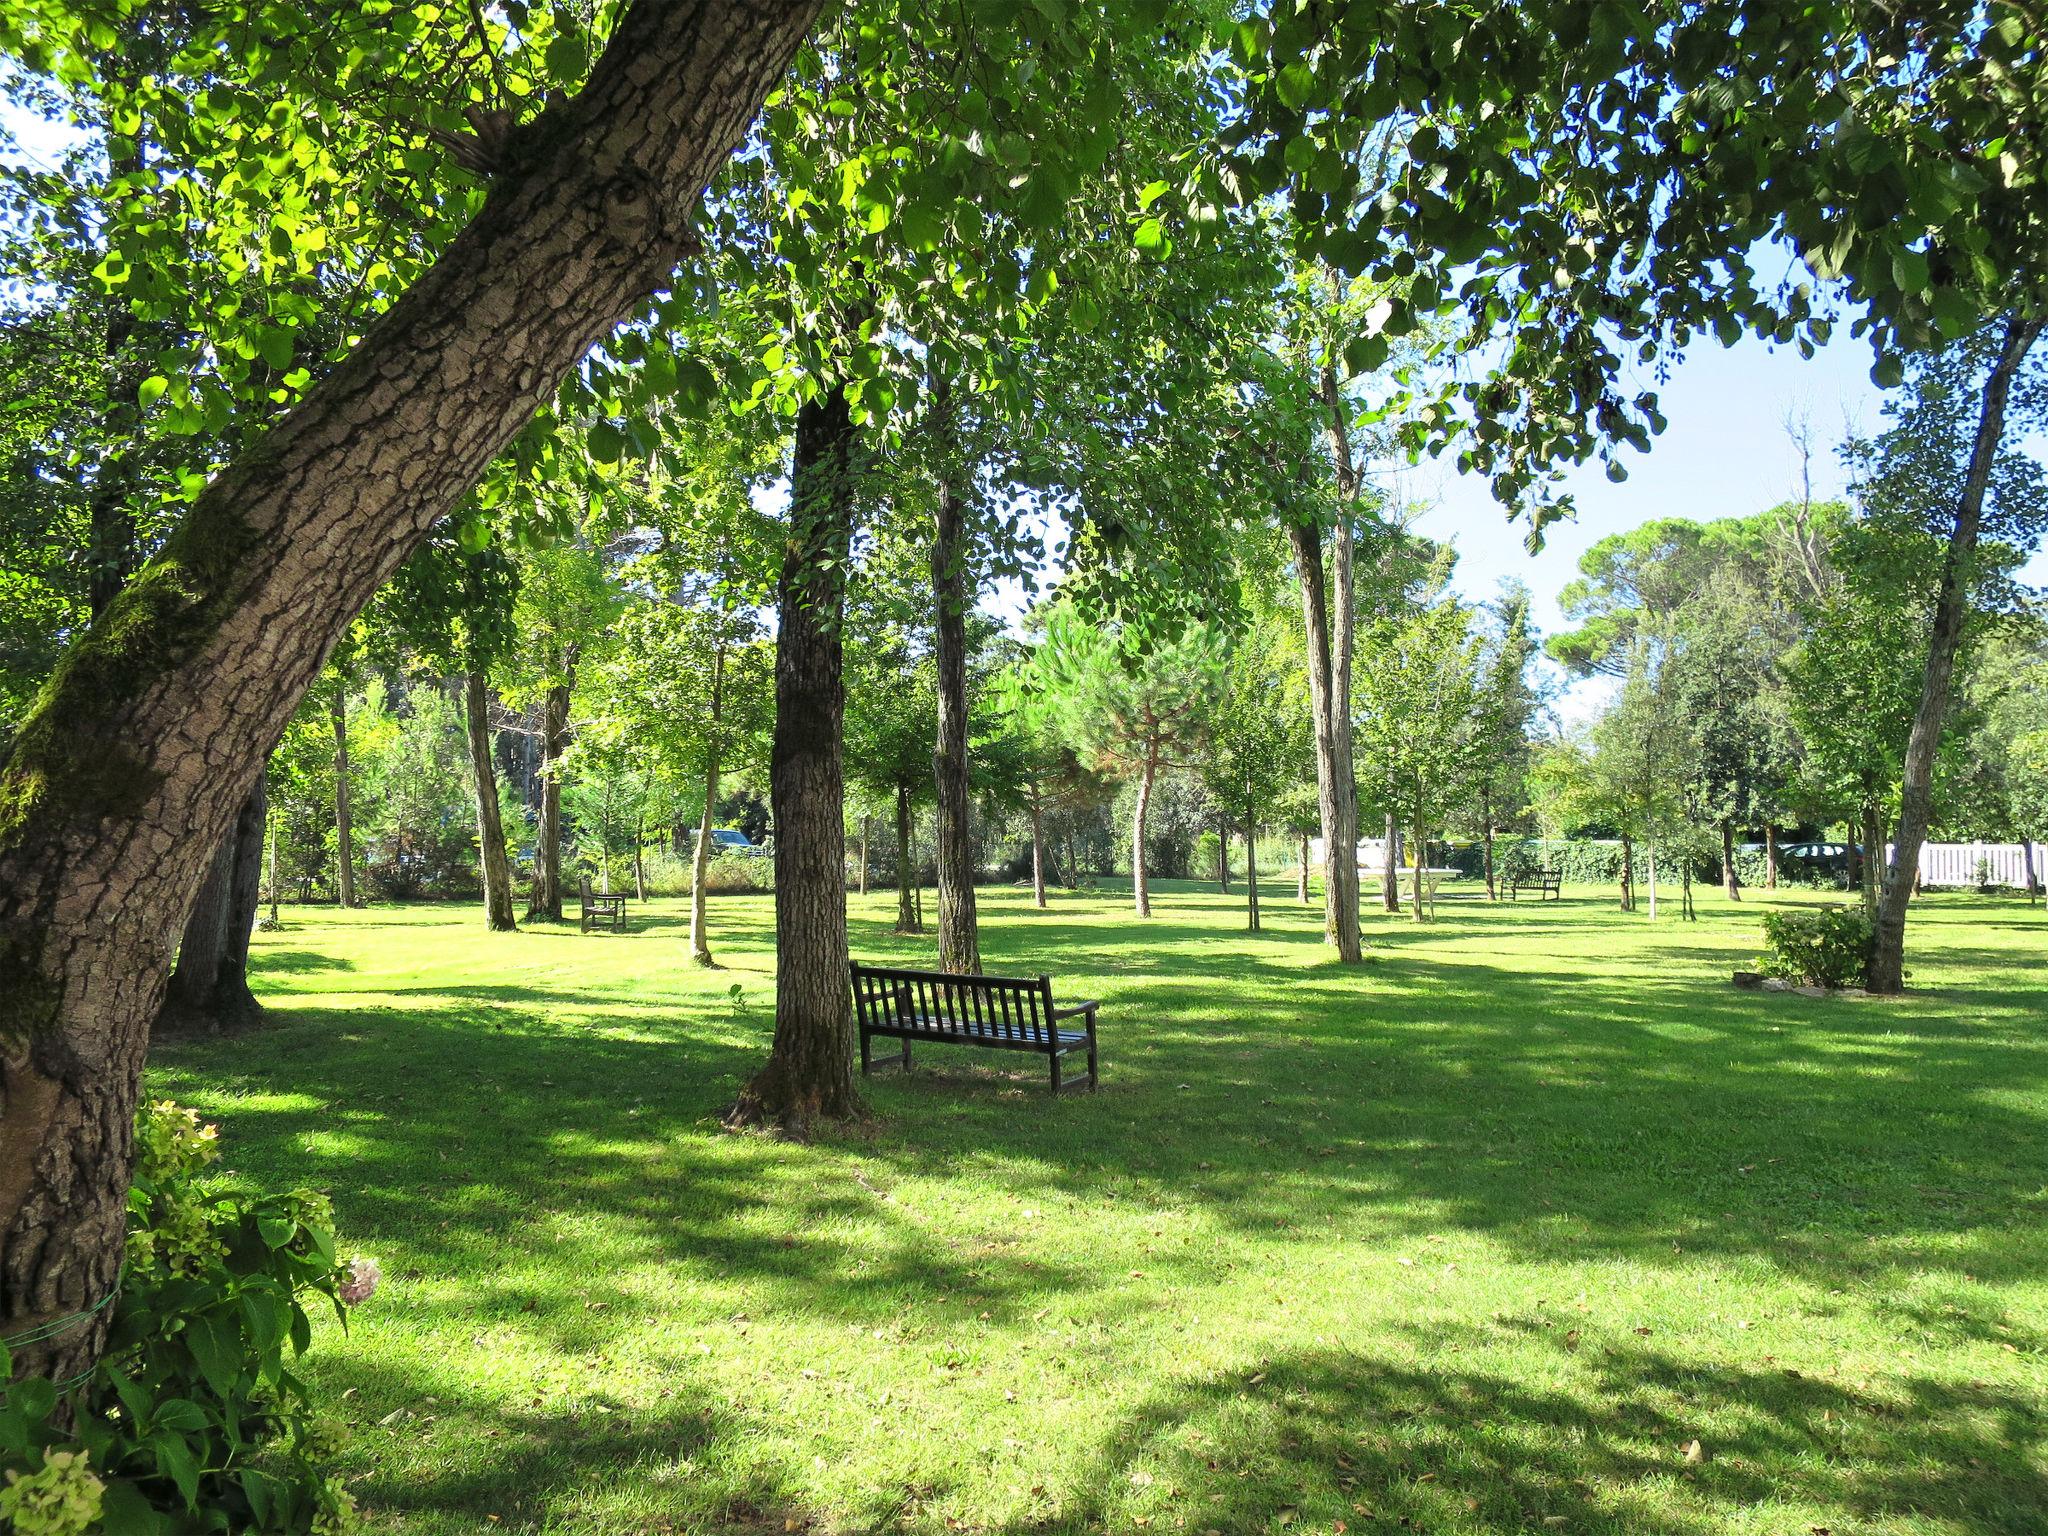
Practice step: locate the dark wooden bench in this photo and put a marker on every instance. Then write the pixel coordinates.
(1011, 1013)
(602, 911)
(1545, 881)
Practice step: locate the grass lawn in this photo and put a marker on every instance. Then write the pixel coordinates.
(1477, 1238)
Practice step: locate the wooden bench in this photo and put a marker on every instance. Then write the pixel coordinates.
(1544, 881)
(1011, 1013)
(602, 911)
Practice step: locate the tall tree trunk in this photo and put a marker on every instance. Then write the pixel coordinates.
(700, 863)
(809, 1071)
(270, 871)
(1873, 859)
(1486, 816)
(209, 989)
(490, 828)
(1770, 858)
(344, 831)
(2033, 880)
(1628, 873)
(1037, 852)
(1390, 866)
(1301, 872)
(147, 740)
(952, 595)
(1223, 855)
(1686, 909)
(1073, 862)
(640, 857)
(866, 826)
(1951, 611)
(906, 876)
(1251, 876)
(546, 901)
(1141, 891)
(1731, 883)
(1652, 857)
(1336, 788)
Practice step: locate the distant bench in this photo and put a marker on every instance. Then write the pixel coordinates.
(1011, 1013)
(1544, 881)
(602, 911)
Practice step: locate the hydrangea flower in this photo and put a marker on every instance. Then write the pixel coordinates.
(63, 1499)
(361, 1284)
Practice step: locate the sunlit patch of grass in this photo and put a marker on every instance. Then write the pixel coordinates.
(1480, 1237)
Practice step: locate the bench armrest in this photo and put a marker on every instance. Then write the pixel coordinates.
(1077, 1009)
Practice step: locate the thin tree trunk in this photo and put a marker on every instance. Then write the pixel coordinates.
(1873, 860)
(2033, 880)
(906, 876)
(640, 857)
(209, 989)
(344, 834)
(1770, 858)
(1486, 816)
(1390, 866)
(1336, 788)
(270, 826)
(1951, 611)
(1073, 863)
(809, 1072)
(1223, 855)
(1652, 856)
(1628, 874)
(1251, 876)
(1037, 852)
(547, 854)
(141, 749)
(866, 822)
(1421, 858)
(959, 931)
(490, 829)
(700, 863)
(1731, 883)
(1685, 891)
(1141, 893)
(1301, 873)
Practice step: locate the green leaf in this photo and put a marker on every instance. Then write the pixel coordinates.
(607, 442)
(567, 59)
(1909, 271)
(151, 390)
(1888, 372)
(1293, 85)
(1150, 236)
(1151, 194)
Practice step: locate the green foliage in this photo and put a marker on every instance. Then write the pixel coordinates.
(1823, 947)
(194, 1419)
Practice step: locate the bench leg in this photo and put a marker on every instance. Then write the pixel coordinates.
(1054, 1058)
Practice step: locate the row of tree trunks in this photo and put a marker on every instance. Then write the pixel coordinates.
(952, 596)
(143, 747)
(809, 1072)
(209, 988)
(1336, 785)
(490, 830)
(1951, 610)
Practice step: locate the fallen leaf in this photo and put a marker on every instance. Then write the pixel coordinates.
(1695, 1453)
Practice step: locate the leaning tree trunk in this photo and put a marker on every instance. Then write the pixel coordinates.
(1251, 877)
(1038, 852)
(1951, 611)
(151, 734)
(344, 831)
(959, 932)
(1731, 883)
(490, 827)
(1141, 890)
(700, 863)
(1336, 787)
(809, 1071)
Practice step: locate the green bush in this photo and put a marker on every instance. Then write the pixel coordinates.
(1829, 947)
(193, 1420)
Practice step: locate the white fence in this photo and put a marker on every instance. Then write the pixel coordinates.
(1975, 863)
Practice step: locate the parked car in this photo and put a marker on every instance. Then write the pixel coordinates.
(735, 842)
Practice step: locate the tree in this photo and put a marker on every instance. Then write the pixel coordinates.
(1133, 714)
(1499, 761)
(891, 720)
(1255, 748)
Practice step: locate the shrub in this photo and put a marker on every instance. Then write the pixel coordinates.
(728, 873)
(193, 1419)
(1825, 948)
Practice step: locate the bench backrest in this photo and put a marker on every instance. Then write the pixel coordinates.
(1017, 1008)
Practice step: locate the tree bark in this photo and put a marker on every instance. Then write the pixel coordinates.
(866, 823)
(809, 1072)
(1873, 859)
(1731, 883)
(2033, 880)
(209, 988)
(906, 877)
(1628, 874)
(344, 831)
(700, 863)
(1141, 891)
(1951, 611)
(1223, 855)
(1390, 866)
(1037, 853)
(546, 900)
(151, 735)
(1770, 858)
(490, 829)
(1421, 858)
(1073, 862)
(1336, 786)
(1251, 877)
(1301, 873)
(959, 932)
